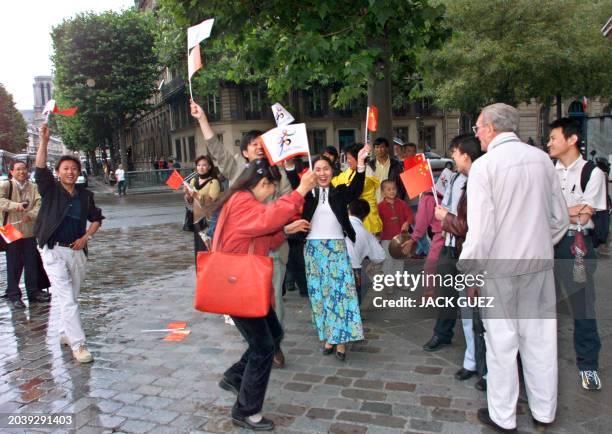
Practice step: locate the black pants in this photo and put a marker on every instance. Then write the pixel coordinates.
(581, 297)
(296, 268)
(447, 317)
(251, 373)
(121, 187)
(22, 254)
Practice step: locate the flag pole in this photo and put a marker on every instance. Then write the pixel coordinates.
(433, 183)
(366, 126)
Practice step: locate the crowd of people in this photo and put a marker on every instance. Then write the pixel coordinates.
(529, 229)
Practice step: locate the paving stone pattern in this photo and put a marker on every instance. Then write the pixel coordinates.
(143, 278)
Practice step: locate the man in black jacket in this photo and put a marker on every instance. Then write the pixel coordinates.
(384, 167)
(62, 237)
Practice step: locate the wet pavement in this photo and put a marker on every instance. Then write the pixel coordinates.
(142, 277)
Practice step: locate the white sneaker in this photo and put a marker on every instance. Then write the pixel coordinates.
(590, 380)
(82, 354)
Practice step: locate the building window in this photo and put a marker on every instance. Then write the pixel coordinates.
(212, 107)
(192, 148)
(317, 103)
(346, 138)
(253, 100)
(318, 140)
(429, 137)
(178, 149)
(402, 133)
(220, 138)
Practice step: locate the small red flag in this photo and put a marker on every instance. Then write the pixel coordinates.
(175, 180)
(372, 118)
(415, 160)
(66, 112)
(417, 179)
(10, 233)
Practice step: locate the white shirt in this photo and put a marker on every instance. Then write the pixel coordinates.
(452, 195)
(365, 245)
(324, 225)
(120, 174)
(594, 194)
(516, 210)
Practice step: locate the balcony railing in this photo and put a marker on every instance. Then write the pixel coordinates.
(172, 87)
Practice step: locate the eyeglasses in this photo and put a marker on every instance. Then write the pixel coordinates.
(475, 128)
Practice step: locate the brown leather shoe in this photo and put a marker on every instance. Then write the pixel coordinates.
(279, 359)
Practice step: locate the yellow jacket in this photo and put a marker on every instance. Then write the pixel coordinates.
(372, 222)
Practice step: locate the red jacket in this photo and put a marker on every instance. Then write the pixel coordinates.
(243, 218)
(393, 217)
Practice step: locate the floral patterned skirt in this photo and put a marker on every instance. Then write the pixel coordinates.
(331, 288)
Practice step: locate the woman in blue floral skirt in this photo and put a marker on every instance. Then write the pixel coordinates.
(331, 283)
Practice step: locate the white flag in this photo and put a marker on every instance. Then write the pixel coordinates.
(197, 34)
(286, 142)
(281, 115)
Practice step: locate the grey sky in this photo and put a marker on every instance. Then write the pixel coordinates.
(26, 43)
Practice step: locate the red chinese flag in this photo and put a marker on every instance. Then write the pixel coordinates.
(415, 160)
(417, 179)
(372, 118)
(66, 112)
(175, 180)
(10, 233)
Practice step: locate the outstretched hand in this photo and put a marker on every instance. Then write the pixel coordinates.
(301, 225)
(363, 154)
(196, 110)
(307, 183)
(44, 133)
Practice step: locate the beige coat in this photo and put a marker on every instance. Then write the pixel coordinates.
(29, 193)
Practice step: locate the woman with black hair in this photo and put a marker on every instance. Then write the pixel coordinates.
(329, 274)
(203, 188)
(248, 223)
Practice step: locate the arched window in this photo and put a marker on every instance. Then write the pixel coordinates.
(575, 109)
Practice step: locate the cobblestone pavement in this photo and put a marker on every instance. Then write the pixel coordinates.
(143, 278)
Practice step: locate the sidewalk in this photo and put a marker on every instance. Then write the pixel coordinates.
(98, 186)
(139, 383)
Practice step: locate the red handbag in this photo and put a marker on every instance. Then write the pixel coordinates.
(235, 284)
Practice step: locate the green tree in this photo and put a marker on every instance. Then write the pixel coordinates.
(13, 129)
(355, 47)
(105, 65)
(515, 50)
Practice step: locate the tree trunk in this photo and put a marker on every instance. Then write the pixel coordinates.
(545, 121)
(379, 95)
(123, 148)
(559, 107)
(95, 167)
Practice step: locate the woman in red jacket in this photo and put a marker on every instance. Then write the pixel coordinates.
(248, 219)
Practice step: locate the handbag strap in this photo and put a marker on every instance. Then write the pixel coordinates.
(220, 224)
(10, 194)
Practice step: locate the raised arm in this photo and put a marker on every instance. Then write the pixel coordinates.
(221, 156)
(41, 154)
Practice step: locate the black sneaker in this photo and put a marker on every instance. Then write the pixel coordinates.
(590, 380)
(17, 304)
(483, 416)
(435, 343)
(226, 385)
(246, 422)
(464, 374)
(481, 385)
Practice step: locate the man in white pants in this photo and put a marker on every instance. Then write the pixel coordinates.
(516, 214)
(62, 237)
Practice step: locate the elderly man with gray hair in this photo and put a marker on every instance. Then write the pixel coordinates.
(517, 213)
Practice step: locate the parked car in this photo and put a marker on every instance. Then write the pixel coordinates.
(439, 163)
(82, 179)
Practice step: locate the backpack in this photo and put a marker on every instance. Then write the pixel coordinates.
(601, 219)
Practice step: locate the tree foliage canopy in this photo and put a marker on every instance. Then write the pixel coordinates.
(297, 44)
(13, 129)
(514, 50)
(106, 66)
